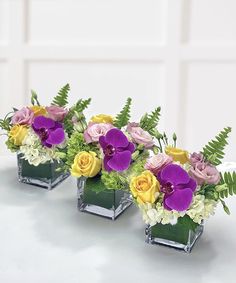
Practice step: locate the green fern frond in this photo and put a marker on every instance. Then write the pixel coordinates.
(150, 121)
(123, 117)
(34, 98)
(5, 123)
(229, 179)
(214, 150)
(62, 96)
(81, 105)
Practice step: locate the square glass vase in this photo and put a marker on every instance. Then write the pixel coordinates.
(44, 175)
(177, 236)
(94, 198)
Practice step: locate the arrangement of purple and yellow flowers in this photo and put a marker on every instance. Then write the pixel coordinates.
(117, 143)
(104, 155)
(176, 184)
(166, 182)
(39, 133)
(170, 185)
(110, 144)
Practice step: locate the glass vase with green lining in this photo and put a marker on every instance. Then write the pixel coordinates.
(47, 175)
(95, 198)
(181, 236)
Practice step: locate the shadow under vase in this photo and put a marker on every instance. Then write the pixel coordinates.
(94, 198)
(45, 175)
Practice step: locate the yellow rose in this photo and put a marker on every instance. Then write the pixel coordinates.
(177, 154)
(102, 118)
(17, 134)
(86, 164)
(38, 110)
(145, 187)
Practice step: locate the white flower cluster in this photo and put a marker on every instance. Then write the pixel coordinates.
(156, 213)
(200, 209)
(34, 152)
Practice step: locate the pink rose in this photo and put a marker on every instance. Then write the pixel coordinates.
(94, 131)
(140, 136)
(205, 173)
(56, 113)
(157, 162)
(195, 158)
(25, 116)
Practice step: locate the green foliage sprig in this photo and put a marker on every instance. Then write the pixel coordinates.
(149, 122)
(34, 98)
(76, 110)
(229, 179)
(81, 105)
(211, 192)
(5, 123)
(114, 180)
(214, 150)
(61, 99)
(11, 146)
(123, 117)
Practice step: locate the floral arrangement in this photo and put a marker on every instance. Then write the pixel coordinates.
(112, 148)
(40, 133)
(178, 186)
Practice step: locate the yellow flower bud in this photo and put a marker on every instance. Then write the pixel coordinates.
(17, 134)
(86, 164)
(177, 154)
(102, 118)
(38, 110)
(145, 187)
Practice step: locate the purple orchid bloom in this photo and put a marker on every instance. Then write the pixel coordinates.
(49, 131)
(178, 187)
(117, 150)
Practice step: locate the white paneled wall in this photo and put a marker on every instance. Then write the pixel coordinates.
(180, 54)
(96, 22)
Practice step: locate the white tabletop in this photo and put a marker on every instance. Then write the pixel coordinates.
(43, 238)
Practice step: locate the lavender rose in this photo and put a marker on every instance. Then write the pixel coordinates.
(195, 158)
(25, 116)
(205, 173)
(94, 131)
(56, 113)
(157, 162)
(139, 136)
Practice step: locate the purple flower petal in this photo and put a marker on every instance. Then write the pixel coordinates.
(192, 184)
(180, 200)
(57, 125)
(117, 138)
(120, 161)
(175, 174)
(105, 163)
(102, 141)
(131, 147)
(46, 144)
(164, 203)
(43, 122)
(56, 137)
